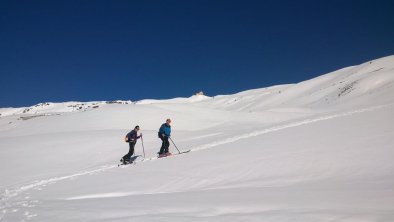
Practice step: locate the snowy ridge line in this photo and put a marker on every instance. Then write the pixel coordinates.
(286, 126)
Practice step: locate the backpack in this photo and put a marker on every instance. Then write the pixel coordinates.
(126, 138)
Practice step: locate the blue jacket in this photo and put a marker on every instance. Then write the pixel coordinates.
(165, 129)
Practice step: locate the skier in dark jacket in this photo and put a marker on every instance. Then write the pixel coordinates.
(131, 138)
(164, 134)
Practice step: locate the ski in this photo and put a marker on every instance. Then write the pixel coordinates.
(183, 152)
(187, 151)
(126, 163)
(131, 161)
(153, 158)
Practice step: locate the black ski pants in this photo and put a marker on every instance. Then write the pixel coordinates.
(131, 151)
(164, 145)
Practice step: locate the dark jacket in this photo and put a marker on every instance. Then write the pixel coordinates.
(132, 136)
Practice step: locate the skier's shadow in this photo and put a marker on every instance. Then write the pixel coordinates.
(134, 158)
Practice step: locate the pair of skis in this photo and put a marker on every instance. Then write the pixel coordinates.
(163, 156)
(167, 155)
(133, 161)
(170, 154)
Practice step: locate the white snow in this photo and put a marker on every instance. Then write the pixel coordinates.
(319, 150)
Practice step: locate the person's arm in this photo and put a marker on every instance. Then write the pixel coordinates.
(167, 131)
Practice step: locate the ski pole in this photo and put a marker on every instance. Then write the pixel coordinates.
(175, 145)
(143, 148)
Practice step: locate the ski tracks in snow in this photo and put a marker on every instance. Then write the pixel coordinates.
(287, 126)
(6, 207)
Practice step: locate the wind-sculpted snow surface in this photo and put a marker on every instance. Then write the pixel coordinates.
(320, 150)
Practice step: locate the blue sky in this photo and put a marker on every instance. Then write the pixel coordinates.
(55, 51)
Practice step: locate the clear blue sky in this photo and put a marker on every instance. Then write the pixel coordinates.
(73, 50)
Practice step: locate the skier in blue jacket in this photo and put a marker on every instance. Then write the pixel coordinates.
(164, 134)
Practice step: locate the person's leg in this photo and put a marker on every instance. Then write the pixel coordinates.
(130, 153)
(166, 144)
(131, 149)
(126, 157)
(162, 148)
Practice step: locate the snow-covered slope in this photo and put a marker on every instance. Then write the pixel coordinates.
(363, 85)
(319, 150)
